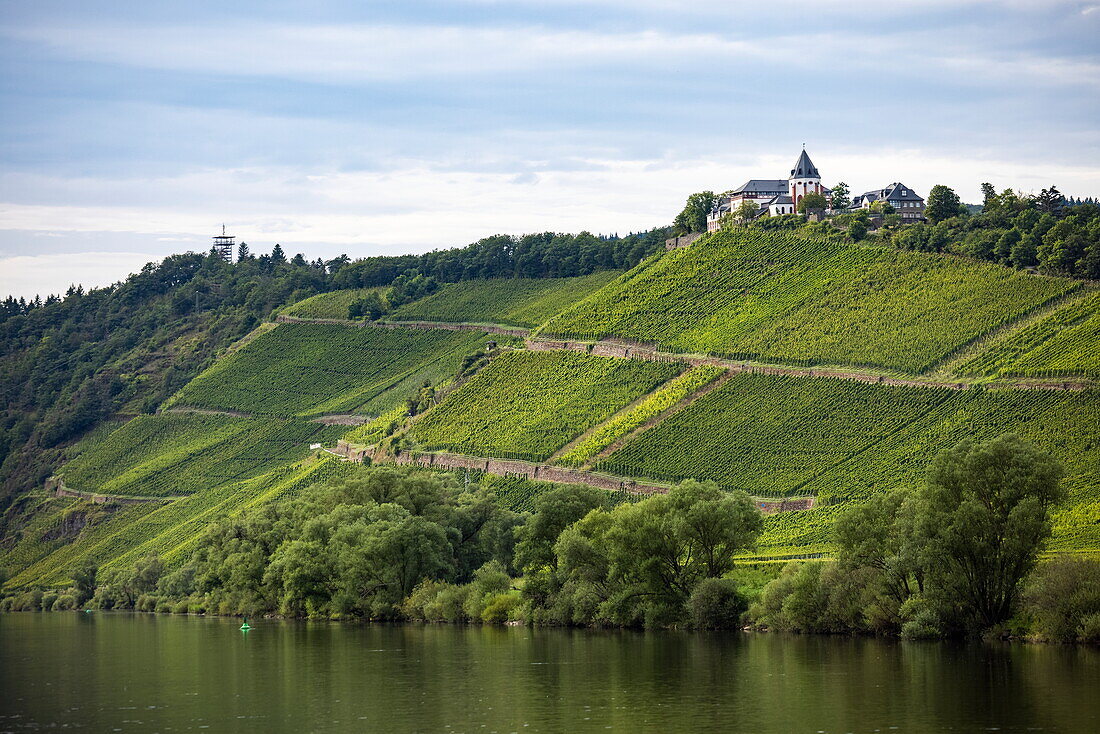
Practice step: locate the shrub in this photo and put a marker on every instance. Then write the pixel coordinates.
(717, 604)
(64, 603)
(499, 608)
(922, 620)
(28, 601)
(47, 601)
(489, 581)
(1061, 594)
(447, 606)
(1089, 631)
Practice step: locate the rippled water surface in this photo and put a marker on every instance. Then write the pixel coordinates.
(141, 673)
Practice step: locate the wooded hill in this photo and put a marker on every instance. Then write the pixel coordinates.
(786, 365)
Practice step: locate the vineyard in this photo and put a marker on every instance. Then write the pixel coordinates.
(526, 405)
(777, 297)
(179, 454)
(170, 530)
(633, 418)
(311, 369)
(770, 436)
(1064, 344)
(518, 494)
(331, 305)
(523, 302)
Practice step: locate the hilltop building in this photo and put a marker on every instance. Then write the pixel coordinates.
(904, 200)
(774, 197)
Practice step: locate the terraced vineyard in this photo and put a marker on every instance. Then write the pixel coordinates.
(526, 405)
(845, 441)
(770, 436)
(311, 369)
(523, 302)
(776, 297)
(168, 530)
(332, 305)
(1064, 344)
(180, 454)
(667, 396)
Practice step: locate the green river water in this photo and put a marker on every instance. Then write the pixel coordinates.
(108, 672)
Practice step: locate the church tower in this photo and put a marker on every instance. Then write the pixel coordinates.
(804, 179)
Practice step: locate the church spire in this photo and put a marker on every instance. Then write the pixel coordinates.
(804, 168)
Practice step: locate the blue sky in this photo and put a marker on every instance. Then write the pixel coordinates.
(134, 129)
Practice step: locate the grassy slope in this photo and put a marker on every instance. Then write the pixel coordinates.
(178, 454)
(777, 297)
(529, 404)
(331, 305)
(523, 302)
(1064, 344)
(309, 369)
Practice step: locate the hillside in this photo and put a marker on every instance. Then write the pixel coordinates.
(526, 405)
(653, 419)
(1063, 344)
(523, 302)
(311, 369)
(778, 297)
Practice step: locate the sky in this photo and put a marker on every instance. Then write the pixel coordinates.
(132, 130)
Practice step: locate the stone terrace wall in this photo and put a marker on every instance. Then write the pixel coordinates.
(566, 475)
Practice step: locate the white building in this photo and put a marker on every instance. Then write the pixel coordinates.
(774, 196)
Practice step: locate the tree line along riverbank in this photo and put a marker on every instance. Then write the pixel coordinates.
(958, 556)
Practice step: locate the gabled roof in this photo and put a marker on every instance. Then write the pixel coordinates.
(894, 192)
(804, 167)
(759, 185)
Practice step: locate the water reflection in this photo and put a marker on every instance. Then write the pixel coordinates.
(144, 673)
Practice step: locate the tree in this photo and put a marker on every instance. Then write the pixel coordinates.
(943, 203)
(369, 307)
(554, 512)
(857, 229)
(811, 202)
(693, 217)
(243, 253)
(1050, 201)
(643, 561)
(980, 522)
(990, 201)
(841, 196)
(277, 254)
(746, 212)
(84, 580)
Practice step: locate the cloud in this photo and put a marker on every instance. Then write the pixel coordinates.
(369, 53)
(30, 275)
(373, 53)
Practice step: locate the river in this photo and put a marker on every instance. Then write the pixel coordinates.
(107, 672)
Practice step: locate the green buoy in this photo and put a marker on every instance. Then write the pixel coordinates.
(246, 626)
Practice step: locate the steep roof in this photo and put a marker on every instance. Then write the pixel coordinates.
(761, 184)
(804, 168)
(893, 192)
